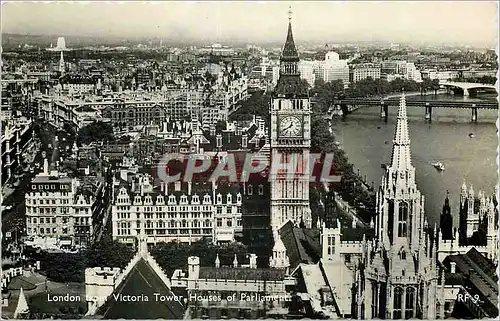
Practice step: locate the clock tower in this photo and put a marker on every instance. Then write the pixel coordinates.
(290, 142)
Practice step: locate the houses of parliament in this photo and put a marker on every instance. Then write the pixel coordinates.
(397, 268)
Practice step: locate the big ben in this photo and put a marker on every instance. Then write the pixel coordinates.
(290, 142)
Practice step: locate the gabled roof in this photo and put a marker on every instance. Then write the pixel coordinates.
(302, 245)
(142, 281)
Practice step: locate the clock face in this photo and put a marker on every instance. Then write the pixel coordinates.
(290, 126)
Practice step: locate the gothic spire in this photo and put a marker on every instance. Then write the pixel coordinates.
(289, 52)
(61, 63)
(401, 158)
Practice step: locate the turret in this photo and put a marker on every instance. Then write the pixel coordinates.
(193, 267)
(217, 261)
(279, 258)
(446, 220)
(235, 261)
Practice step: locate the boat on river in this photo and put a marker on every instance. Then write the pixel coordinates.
(439, 166)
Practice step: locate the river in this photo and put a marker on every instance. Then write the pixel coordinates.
(367, 140)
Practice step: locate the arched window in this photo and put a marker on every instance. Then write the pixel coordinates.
(402, 254)
(398, 297)
(402, 219)
(410, 302)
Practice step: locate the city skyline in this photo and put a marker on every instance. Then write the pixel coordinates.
(426, 22)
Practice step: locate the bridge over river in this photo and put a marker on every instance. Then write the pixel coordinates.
(345, 106)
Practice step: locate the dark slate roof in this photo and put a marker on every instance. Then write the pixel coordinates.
(454, 279)
(479, 273)
(291, 86)
(142, 280)
(302, 245)
(230, 141)
(229, 273)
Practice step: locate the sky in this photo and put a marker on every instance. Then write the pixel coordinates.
(462, 22)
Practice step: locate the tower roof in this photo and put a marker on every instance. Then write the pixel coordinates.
(22, 305)
(401, 158)
(289, 52)
(279, 246)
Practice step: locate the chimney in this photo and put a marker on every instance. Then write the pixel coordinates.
(453, 267)
(189, 187)
(217, 261)
(219, 141)
(162, 186)
(244, 141)
(253, 261)
(166, 188)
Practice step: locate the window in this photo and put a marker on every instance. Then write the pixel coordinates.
(398, 294)
(219, 222)
(374, 300)
(261, 189)
(250, 189)
(229, 222)
(410, 302)
(402, 219)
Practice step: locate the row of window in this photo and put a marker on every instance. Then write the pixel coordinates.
(174, 209)
(182, 224)
(47, 210)
(34, 197)
(49, 187)
(46, 231)
(164, 232)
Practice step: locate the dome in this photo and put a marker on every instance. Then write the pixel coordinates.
(332, 56)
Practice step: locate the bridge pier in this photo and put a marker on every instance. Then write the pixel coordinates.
(474, 113)
(428, 112)
(384, 111)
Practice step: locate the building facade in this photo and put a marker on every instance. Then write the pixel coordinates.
(180, 211)
(17, 137)
(360, 72)
(68, 210)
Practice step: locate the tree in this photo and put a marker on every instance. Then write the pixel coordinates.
(257, 104)
(96, 131)
(220, 126)
(326, 93)
(109, 253)
(64, 267)
(172, 256)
